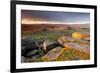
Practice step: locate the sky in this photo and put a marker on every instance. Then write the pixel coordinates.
(37, 17)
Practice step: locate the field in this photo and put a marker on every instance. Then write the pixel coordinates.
(55, 42)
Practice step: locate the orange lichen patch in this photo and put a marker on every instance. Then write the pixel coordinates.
(79, 35)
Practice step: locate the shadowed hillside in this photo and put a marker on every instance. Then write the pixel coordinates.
(43, 27)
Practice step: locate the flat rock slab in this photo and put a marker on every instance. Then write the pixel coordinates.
(85, 48)
(53, 54)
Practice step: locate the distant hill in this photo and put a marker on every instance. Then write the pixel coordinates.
(82, 25)
(43, 27)
(52, 27)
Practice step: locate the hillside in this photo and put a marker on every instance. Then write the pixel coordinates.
(43, 27)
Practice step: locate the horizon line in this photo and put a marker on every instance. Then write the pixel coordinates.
(40, 22)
